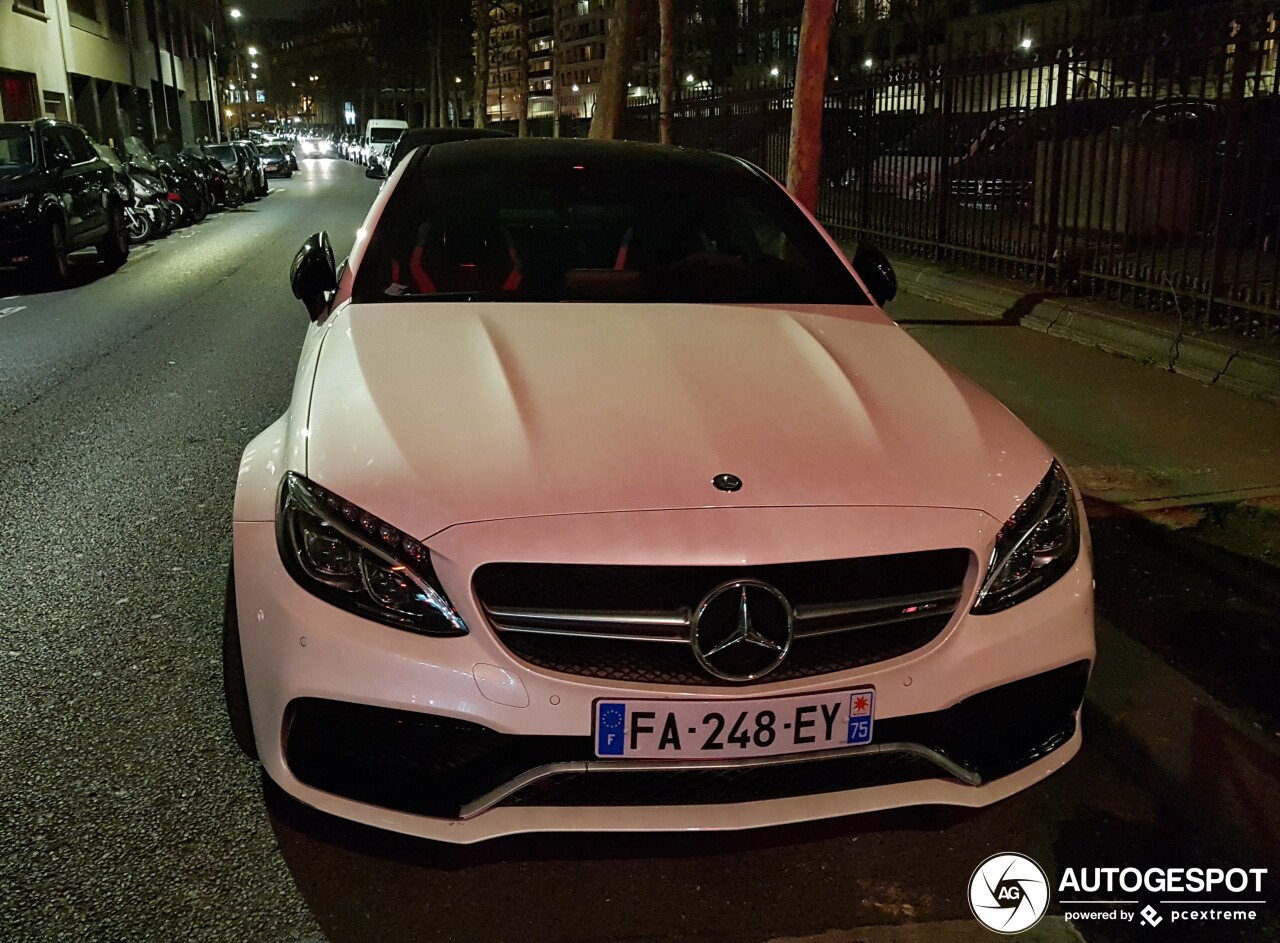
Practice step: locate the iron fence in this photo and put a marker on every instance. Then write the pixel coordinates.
(1142, 168)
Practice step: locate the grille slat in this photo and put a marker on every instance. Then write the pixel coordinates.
(601, 621)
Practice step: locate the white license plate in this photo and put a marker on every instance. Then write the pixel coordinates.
(766, 726)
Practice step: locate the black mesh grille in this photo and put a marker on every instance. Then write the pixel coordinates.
(649, 588)
(710, 787)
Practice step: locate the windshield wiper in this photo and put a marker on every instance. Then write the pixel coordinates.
(448, 296)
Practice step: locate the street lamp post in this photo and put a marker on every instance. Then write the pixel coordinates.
(235, 42)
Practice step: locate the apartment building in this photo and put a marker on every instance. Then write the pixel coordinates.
(578, 63)
(116, 67)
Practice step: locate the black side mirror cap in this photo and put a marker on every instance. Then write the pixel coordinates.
(375, 172)
(314, 274)
(876, 272)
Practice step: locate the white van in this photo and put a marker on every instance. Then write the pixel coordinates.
(380, 135)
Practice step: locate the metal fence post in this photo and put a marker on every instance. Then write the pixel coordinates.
(1049, 249)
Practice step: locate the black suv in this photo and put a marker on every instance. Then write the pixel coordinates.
(56, 196)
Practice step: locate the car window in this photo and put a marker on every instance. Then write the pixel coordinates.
(570, 234)
(57, 148)
(16, 151)
(78, 141)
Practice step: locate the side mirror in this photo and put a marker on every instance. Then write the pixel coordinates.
(313, 274)
(375, 172)
(876, 272)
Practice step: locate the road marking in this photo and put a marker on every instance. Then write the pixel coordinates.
(5, 312)
(1049, 930)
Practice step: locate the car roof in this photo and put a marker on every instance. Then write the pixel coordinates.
(520, 156)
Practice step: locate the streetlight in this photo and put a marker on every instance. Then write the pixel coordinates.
(868, 63)
(253, 51)
(774, 72)
(1026, 43)
(235, 13)
(689, 80)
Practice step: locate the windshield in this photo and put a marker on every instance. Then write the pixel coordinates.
(570, 234)
(385, 135)
(223, 153)
(16, 152)
(136, 151)
(110, 156)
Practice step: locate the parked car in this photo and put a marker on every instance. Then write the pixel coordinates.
(254, 158)
(56, 196)
(240, 183)
(718, 514)
(275, 161)
(912, 168)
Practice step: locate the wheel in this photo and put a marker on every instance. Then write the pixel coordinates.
(251, 193)
(140, 227)
(234, 689)
(200, 211)
(113, 250)
(51, 265)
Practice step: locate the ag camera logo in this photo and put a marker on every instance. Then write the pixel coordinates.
(1008, 893)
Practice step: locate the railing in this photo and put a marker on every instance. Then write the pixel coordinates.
(1143, 169)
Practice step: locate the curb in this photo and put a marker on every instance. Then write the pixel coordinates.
(1133, 334)
(1194, 755)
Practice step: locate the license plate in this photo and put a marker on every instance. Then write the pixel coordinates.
(767, 726)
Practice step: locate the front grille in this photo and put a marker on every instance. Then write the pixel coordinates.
(633, 623)
(436, 766)
(649, 663)
(715, 786)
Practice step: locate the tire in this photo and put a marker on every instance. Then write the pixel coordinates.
(51, 266)
(200, 212)
(234, 689)
(140, 228)
(113, 250)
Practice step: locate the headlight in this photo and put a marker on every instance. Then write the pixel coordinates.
(348, 557)
(1035, 547)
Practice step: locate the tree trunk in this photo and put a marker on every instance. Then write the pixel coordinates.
(606, 119)
(480, 12)
(522, 68)
(805, 158)
(666, 70)
(442, 92)
(555, 68)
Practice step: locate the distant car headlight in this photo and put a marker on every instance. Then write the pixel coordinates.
(1035, 547)
(308, 147)
(360, 563)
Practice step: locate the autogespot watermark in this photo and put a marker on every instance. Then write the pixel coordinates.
(1009, 893)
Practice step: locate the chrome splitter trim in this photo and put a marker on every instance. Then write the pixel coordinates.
(529, 777)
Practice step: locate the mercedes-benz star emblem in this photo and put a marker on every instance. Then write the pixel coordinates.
(742, 630)
(727, 482)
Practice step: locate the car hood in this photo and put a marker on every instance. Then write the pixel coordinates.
(434, 414)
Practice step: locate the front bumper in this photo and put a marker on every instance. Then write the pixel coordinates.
(426, 735)
(17, 236)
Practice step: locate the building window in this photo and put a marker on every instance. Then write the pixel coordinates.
(29, 6)
(18, 96)
(85, 8)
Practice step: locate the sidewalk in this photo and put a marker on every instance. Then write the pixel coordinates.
(1144, 443)
(1227, 361)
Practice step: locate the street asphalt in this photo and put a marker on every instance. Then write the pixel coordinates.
(128, 814)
